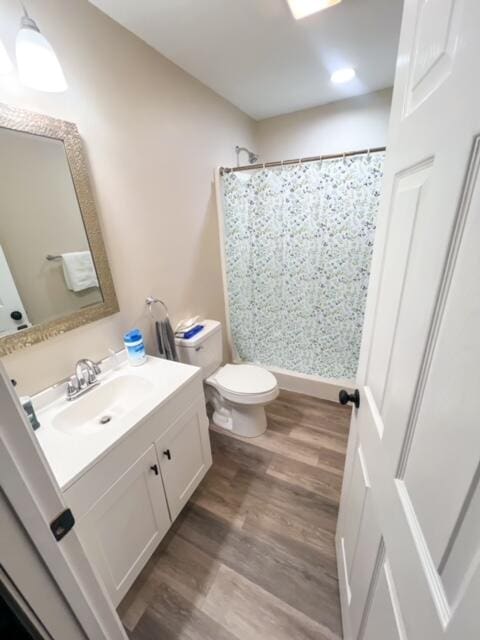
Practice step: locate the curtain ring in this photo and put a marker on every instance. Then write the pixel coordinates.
(344, 158)
(368, 155)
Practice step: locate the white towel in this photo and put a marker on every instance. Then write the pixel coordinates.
(79, 271)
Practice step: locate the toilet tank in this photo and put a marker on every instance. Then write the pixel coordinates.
(204, 349)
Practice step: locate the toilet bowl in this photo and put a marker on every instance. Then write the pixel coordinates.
(237, 392)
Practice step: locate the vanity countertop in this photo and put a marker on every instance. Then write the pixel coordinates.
(71, 435)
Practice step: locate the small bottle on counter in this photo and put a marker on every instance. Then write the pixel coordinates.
(27, 405)
(135, 347)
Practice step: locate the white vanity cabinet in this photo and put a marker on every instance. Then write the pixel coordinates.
(125, 503)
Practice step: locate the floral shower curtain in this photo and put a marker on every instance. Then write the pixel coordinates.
(298, 245)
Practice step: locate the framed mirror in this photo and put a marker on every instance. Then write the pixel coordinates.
(54, 272)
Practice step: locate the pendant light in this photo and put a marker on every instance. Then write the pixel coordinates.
(6, 64)
(38, 65)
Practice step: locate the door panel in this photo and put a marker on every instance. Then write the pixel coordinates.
(356, 504)
(451, 424)
(369, 546)
(384, 619)
(461, 554)
(135, 507)
(408, 196)
(417, 425)
(126, 524)
(185, 456)
(434, 48)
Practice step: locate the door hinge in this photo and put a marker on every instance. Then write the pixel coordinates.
(62, 524)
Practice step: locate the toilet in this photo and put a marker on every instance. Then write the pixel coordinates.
(238, 392)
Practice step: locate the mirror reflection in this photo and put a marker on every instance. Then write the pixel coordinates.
(46, 267)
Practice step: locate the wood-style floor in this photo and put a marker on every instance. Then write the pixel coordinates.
(252, 555)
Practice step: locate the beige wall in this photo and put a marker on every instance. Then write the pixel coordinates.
(346, 125)
(152, 135)
(39, 215)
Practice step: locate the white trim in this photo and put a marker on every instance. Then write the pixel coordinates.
(223, 260)
(35, 496)
(310, 385)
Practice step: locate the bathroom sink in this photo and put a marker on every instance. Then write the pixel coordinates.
(74, 434)
(104, 404)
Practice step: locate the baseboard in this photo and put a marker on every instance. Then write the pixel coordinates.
(315, 386)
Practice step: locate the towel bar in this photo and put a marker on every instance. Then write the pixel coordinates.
(150, 301)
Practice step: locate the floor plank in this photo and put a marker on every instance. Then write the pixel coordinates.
(252, 555)
(314, 479)
(290, 570)
(170, 616)
(232, 598)
(276, 442)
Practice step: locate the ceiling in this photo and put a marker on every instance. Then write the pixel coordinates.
(254, 54)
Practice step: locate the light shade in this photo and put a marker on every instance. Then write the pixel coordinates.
(6, 64)
(342, 75)
(303, 8)
(38, 65)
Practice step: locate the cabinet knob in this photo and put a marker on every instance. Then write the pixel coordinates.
(154, 468)
(167, 453)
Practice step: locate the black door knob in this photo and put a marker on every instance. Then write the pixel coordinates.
(344, 397)
(16, 315)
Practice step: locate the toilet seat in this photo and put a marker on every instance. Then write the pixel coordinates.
(245, 384)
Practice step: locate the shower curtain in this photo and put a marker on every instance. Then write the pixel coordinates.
(298, 246)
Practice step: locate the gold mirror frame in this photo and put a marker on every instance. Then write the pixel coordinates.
(46, 126)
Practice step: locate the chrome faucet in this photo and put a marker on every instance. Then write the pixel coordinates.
(79, 383)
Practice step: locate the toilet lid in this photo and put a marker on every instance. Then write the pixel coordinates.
(245, 378)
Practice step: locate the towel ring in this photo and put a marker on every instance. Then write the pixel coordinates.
(150, 301)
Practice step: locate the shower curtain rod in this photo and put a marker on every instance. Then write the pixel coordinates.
(281, 163)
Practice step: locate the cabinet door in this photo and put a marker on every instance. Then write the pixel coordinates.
(185, 456)
(122, 529)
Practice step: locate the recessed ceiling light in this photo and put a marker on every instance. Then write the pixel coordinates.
(342, 75)
(303, 8)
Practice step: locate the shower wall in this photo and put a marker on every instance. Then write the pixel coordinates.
(298, 245)
(354, 123)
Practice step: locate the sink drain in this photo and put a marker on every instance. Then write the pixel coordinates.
(105, 419)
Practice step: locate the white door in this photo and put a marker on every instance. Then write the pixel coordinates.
(123, 528)
(10, 301)
(408, 537)
(33, 494)
(185, 456)
(26, 581)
